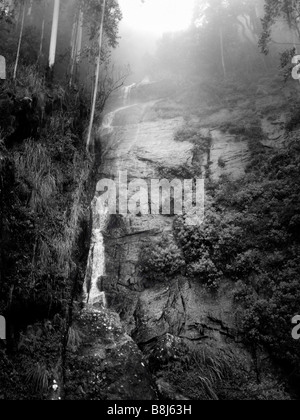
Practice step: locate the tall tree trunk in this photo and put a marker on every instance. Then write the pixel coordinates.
(73, 48)
(222, 52)
(76, 43)
(20, 41)
(88, 143)
(30, 8)
(42, 33)
(79, 36)
(42, 39)
(53, 41)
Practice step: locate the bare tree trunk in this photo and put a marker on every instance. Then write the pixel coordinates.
(53, 41)
(73, 47)
(79, 36)
(42, 39)
(222, 53)
(88, 143)
(42, 34)
(30, 8)
(76, 44)
(20, 41)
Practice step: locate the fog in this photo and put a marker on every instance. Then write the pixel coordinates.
(175, 39)
(113, 293)
(143, 24)
(197, 40)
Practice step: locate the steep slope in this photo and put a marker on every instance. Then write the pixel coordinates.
(140, 139)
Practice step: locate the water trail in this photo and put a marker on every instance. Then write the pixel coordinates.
(107, 123)
(96, 261)
(106, 127)
(93, 295)
(127, 93)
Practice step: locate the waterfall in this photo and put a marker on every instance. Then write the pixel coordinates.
(92, 288)
(127, 93)
(96, 261)
(107, 123)
(106, 127)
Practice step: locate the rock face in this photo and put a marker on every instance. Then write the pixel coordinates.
(187, 311)
(141, 146)
(109, 364)
(228, 155)
(139, 139)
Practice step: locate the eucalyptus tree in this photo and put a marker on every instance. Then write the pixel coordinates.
(228, 23)
(285, 13)
(101, 18)
(53, 41)
(278, 10)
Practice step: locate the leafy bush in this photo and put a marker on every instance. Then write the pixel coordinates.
(43, 246)
(251, 235)
(160, 261)
(210, 249)
(267, 204)
(193, 134)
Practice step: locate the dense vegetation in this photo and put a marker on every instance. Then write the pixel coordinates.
(250, 235)
(46, 185)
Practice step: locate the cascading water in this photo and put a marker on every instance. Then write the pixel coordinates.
(93, 295)
(106, 127)
(96, 261)
(127, 93)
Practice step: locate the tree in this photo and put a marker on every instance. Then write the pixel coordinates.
(53, 40)
(108, 13)
(20, 39)
(96, 77)
(288, 10)
(229, 19)
(76, 41)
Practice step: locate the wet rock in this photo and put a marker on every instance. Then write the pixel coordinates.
(188, 311)
(109, 365)
(228, 155)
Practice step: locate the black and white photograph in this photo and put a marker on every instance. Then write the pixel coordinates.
(149, 203)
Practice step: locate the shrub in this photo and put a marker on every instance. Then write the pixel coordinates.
(161, 260)
(192, 133)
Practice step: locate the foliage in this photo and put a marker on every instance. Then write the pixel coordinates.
(44, 236)
(161, 260)
(205, 373)
(221, 44)
(192, 133)
(195, 373)
(9, 41)
(286, 14)
(275, 10)
(93, 9)
(266, 264)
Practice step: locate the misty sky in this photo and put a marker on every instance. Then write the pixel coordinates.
(157, 16)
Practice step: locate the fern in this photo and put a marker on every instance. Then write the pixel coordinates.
(38, 376)
(75, 337)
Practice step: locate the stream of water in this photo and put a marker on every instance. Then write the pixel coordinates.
(93, 295)
(136, 141)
